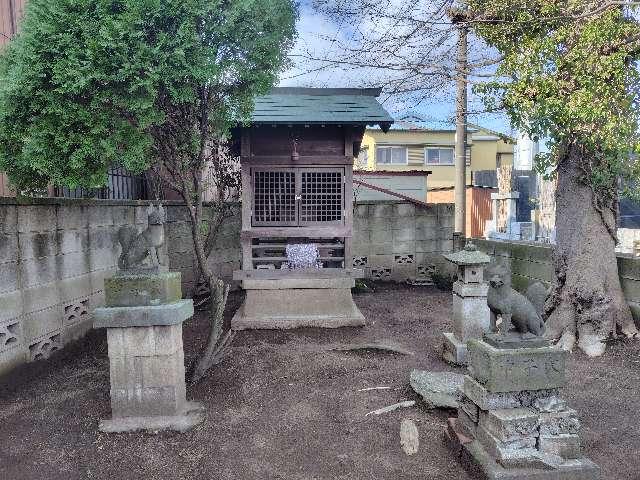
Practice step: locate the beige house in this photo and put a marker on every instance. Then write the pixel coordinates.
(415, 144)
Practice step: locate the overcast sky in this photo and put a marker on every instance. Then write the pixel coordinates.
(320, 36)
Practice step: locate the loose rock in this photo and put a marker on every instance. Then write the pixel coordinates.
(438, 389)
(409, 437)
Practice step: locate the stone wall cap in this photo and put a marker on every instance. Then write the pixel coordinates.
(145, 316)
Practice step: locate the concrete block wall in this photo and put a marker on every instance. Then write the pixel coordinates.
(54, 256)
(226, 254)
(530, 262)
(397, 241)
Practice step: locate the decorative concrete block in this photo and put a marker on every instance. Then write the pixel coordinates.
(44, 347)
(142, 290)
(10, 334)
(565, 445)
(510, 424)
(559, 423)
(511, 370)
(380, 273)
(487, 400)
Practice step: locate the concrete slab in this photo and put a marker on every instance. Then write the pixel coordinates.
(118, 317)
(295, 308)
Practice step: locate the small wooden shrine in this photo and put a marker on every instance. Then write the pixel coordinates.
(297, 206)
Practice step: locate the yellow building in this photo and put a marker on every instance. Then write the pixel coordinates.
(416, 144)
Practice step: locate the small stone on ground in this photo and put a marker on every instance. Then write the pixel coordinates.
(437, 389)
(409, 437)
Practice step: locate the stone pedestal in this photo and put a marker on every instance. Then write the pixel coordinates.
(293, 303)
(512, 422)
(143, 317)
(471, 316)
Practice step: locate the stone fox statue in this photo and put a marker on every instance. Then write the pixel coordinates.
(136, 247)
(511, 305)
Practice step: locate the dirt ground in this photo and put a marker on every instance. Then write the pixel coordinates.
(282, 406)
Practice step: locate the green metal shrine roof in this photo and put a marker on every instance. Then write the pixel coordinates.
(348, 106)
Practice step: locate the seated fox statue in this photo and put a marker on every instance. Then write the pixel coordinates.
(512, 306)
(137, 247)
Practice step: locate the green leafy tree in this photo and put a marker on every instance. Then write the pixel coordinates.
(569, 73)
(92, 84)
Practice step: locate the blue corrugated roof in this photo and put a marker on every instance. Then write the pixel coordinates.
(321, 106)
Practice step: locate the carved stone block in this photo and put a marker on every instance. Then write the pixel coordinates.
(142, 290)
(512, 370)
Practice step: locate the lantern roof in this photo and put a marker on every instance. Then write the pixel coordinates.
(468, 256)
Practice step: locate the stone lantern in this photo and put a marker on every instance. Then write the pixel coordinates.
(471, 317)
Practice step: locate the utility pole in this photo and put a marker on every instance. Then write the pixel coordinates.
(458, 17)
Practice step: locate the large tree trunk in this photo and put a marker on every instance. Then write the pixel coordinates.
(587, 303)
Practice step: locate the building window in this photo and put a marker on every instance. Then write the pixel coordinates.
(439, 156)
(391, 156)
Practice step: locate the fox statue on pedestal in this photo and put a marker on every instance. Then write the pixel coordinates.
(136, 247)
(512, 306)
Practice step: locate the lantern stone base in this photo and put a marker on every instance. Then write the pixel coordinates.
(278, 304)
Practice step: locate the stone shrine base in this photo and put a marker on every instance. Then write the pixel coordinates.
(294, 303)
(475, 459)
(192, 415)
